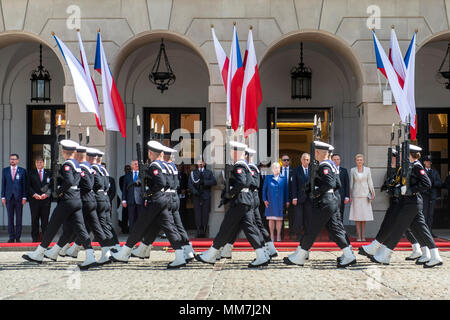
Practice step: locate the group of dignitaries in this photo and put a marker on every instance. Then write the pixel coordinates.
(83, 204)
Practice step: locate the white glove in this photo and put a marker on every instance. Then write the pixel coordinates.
(403, 189)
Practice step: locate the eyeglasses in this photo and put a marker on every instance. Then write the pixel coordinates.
(285, 160)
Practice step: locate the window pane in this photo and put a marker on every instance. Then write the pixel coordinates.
(44, 151)
(191, 122)
(437, 123)
(438, 148)
(160, 119)
(41, 122)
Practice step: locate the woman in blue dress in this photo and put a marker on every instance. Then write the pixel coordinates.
(275, 197)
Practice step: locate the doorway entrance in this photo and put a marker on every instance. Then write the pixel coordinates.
(433, 138)
(295, 127)
(194, 121)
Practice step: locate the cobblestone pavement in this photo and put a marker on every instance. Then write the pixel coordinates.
(230, 279)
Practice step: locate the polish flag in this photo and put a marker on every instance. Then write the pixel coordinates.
(385, 66)
(222, 59)
(92, 87)
(251, 96)
(234, 82)
(86, 101)
(112, 103)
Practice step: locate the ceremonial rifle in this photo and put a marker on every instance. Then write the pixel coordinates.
(389, 171)
(55, 165)
(406, 165)
(228, 168)
(314, 163)
(142, 166)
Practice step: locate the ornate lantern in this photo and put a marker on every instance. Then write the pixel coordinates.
(162, 79)
(301, 79)
(40, 82)
(443, 76)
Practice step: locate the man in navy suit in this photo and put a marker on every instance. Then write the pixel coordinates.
(344, 191)
(14, 196)
(132, 194)
(288, 172)
(300, 200)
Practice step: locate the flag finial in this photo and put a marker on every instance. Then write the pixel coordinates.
(78, 30)
(98, 30)
(251, 27)
(416, 30)
(53, 33)
(212, 26)
(393, 27)
(234, 23)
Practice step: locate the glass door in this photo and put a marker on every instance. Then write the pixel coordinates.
(41, 137)
(433, 138)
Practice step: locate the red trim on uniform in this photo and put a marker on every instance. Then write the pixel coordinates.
(325, 171)
(67, 168)
(155, 172)
(422, 172)
(239, 170)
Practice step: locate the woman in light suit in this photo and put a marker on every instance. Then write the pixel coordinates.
(361, 195)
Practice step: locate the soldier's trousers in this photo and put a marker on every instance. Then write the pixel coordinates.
(264, 235)
(238, 216)
(325, 214)
(428, 210)
(91, 222)
(70, 211)
(202, 208)
(106, 223)
(154, 228)
(410, 215)
(156, 212)
(388, 221)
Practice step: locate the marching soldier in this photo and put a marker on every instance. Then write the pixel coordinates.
(254, 186)
(325, 205)
(410, 215)
(68, 209)
(143, 251)
(156, 211)
(239, 214)
(89, 212)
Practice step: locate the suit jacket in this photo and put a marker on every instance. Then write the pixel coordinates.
(35, 186)
(289, 182)
(200, 183)
(112, 188)
(299, 180)
(361, 187)
(344, 190)
(436, 183)
(16, 188)
(132, 192)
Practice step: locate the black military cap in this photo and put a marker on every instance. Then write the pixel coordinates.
(427, 158)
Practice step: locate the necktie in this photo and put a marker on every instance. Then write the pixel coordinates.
(135, 176)
(306, 172)
(14, 173)
(40, 174)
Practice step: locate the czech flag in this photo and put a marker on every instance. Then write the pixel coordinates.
(112, 103)
(86, 101)
(410, 63)
(251, 96)
(222, 59)
(91, 83)
(385, 66)
(234, 82)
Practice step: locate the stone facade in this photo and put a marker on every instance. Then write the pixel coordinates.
(338, 28)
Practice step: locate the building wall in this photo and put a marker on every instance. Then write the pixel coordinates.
(339, 25)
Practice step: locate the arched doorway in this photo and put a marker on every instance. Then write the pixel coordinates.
(433, 112)
(184, 105)
(28, 127)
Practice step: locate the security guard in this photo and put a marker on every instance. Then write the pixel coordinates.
(239, 214)
(69, 208)
(254, 187)
(143, 251)
(155, 211)
(411, 215)
(325, 205)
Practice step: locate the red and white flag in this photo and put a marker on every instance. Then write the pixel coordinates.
(90, 82)
(222, 59)
(112, 103)
(234, 82)
(410, 63)
(251, 96)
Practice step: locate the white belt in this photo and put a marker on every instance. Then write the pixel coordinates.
(245, 190)
(170, 191)
(74, 187)
(330, 191)
(100, 190)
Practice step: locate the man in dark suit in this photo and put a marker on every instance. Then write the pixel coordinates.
(430, 196)
(132, 194)
(182, 191)
(288, 172)
(301, 202)
(39, 187)
(264, 169)
(344, 191)
(124, 222)
(14, 196)
(200, 183)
